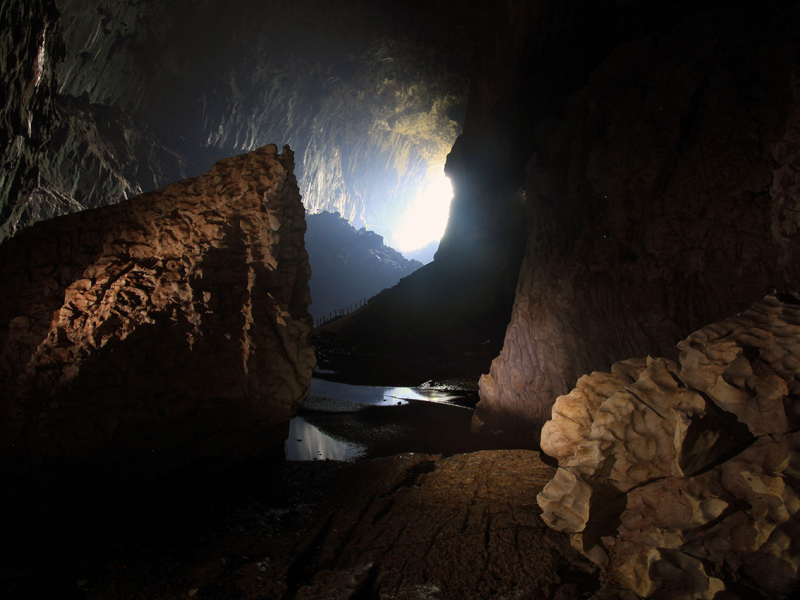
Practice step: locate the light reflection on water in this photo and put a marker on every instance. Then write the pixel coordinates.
(367, 394)
(306, 442)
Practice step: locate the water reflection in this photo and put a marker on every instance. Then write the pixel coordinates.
(365, 394)
(306, 442)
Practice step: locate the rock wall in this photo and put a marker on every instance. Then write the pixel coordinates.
(369, 95)
(165, 329)
(682, 479)
(665, 197)
(96, 156)
(31, 45)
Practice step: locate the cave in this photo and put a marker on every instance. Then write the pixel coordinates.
(414, 300)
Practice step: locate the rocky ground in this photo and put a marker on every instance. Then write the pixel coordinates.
(409, 526)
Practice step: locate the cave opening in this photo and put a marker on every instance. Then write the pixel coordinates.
(296, 295)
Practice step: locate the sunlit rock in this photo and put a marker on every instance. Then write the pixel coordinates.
(681, 478)
(170, 327)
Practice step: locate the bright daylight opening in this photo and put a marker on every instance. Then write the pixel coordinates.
(426, 219)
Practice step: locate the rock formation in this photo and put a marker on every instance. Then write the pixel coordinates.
(682, 478)
(458, 527)
(31, 45)
(172, 326)
(370, 96)
(664, 197)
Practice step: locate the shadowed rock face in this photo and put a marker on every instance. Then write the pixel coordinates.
(31, 43)
(666, 198)
(681, 478)
(171, 325)
(348, 266)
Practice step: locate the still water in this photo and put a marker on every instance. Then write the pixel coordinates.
(382, 396)
(308, 442)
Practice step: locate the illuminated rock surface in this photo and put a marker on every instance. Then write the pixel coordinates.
(460, 527)
(681, 478)
(169, 327)
(664, 198)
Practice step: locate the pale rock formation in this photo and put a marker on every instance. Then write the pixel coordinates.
(172, 326)
(682, 478)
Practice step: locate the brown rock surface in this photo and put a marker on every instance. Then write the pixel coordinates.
(409, 526)
(665, 197)
(459, 527)
(681, 478)
(172, 326)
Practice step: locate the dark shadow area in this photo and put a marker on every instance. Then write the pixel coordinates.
(348, 266)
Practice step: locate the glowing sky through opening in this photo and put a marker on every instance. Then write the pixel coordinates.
(426, 220)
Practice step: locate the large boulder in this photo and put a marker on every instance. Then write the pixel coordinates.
(170, 327)
(682, 478)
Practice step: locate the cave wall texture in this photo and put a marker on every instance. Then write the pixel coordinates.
(681, 478)
(369, 97)
(29, 47)
(165, 330)
(664, 197)
(646, 150)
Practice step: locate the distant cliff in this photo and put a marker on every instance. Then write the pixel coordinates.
(348, 265)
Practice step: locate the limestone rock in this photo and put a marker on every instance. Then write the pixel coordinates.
(172, 326)
(663, 198)
(681, 478)
(31, 45)
(233, 78)
(459, 527)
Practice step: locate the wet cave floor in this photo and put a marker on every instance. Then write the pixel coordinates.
(422, 510)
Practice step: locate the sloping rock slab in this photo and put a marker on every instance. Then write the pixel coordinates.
(682, 478)
(460, 527)
(168, 328)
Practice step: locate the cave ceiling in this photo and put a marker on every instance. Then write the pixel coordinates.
(371, 96)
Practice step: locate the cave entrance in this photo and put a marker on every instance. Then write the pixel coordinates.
(425, 220)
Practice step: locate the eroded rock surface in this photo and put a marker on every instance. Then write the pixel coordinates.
(682, 478)
(460, 527)
(410, 526)
(31, 45)
(172, 326)
(664, 198)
